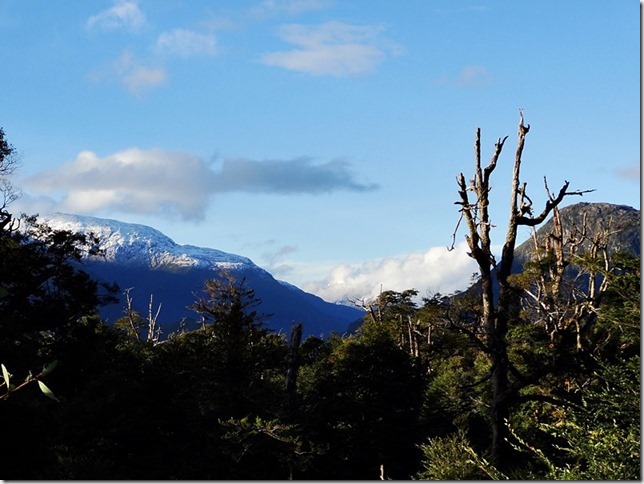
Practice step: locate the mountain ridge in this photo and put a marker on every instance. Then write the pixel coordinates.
(123, 242)
(624, 222)
(149, 263)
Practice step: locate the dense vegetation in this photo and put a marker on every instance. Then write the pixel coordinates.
(407, 396)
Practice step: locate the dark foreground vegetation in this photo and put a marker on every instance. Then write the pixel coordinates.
(537, 377)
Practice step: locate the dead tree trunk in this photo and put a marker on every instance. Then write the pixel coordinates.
(498, 315)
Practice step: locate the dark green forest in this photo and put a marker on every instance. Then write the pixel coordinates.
(534, 375)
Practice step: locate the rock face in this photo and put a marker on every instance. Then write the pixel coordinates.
(150, 263)
(622, 221)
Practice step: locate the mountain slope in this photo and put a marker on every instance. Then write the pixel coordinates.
(623, 220)
(142, 258)
(624, 223)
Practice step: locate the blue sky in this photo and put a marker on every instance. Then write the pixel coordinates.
(320, 138)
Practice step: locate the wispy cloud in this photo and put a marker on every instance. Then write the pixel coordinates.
(330, 49)
(629, 173)
(470, 76)
(162, 182)
(130, 72)
(186, 43)
(274, 260)
(436, 270)
(457, 9)
(290, 7)
(137, 77)
(124, 15)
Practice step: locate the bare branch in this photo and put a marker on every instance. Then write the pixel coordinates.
(460, 218)
(131, 315)
(550, 204)
(154, 331)
(498, 147)
(466, 212)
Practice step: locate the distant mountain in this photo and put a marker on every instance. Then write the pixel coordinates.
(624, 223)
(142, 258)
(623, 220)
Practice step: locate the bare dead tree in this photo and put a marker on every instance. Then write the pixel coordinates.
(134, 322)
(561, 305)
(498, 315)
(154, 330)
(369, 307)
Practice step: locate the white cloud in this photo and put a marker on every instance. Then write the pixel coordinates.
(330, 49)
(161, 182)
(436, 269)
(186, 43)
(134, 180)
(123, 15)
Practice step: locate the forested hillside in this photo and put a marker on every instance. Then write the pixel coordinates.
(417, 392)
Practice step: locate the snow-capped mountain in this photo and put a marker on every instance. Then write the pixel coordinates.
(144, 259)
(135, 244)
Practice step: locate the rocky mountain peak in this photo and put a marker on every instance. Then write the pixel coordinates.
(136, 244)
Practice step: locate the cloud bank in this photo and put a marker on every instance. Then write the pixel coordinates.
(156, 181)
(329, 49)
(134, 180)
(435, 270)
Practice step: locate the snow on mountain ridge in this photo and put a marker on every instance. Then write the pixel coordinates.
(136, 244)
(142, 258)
